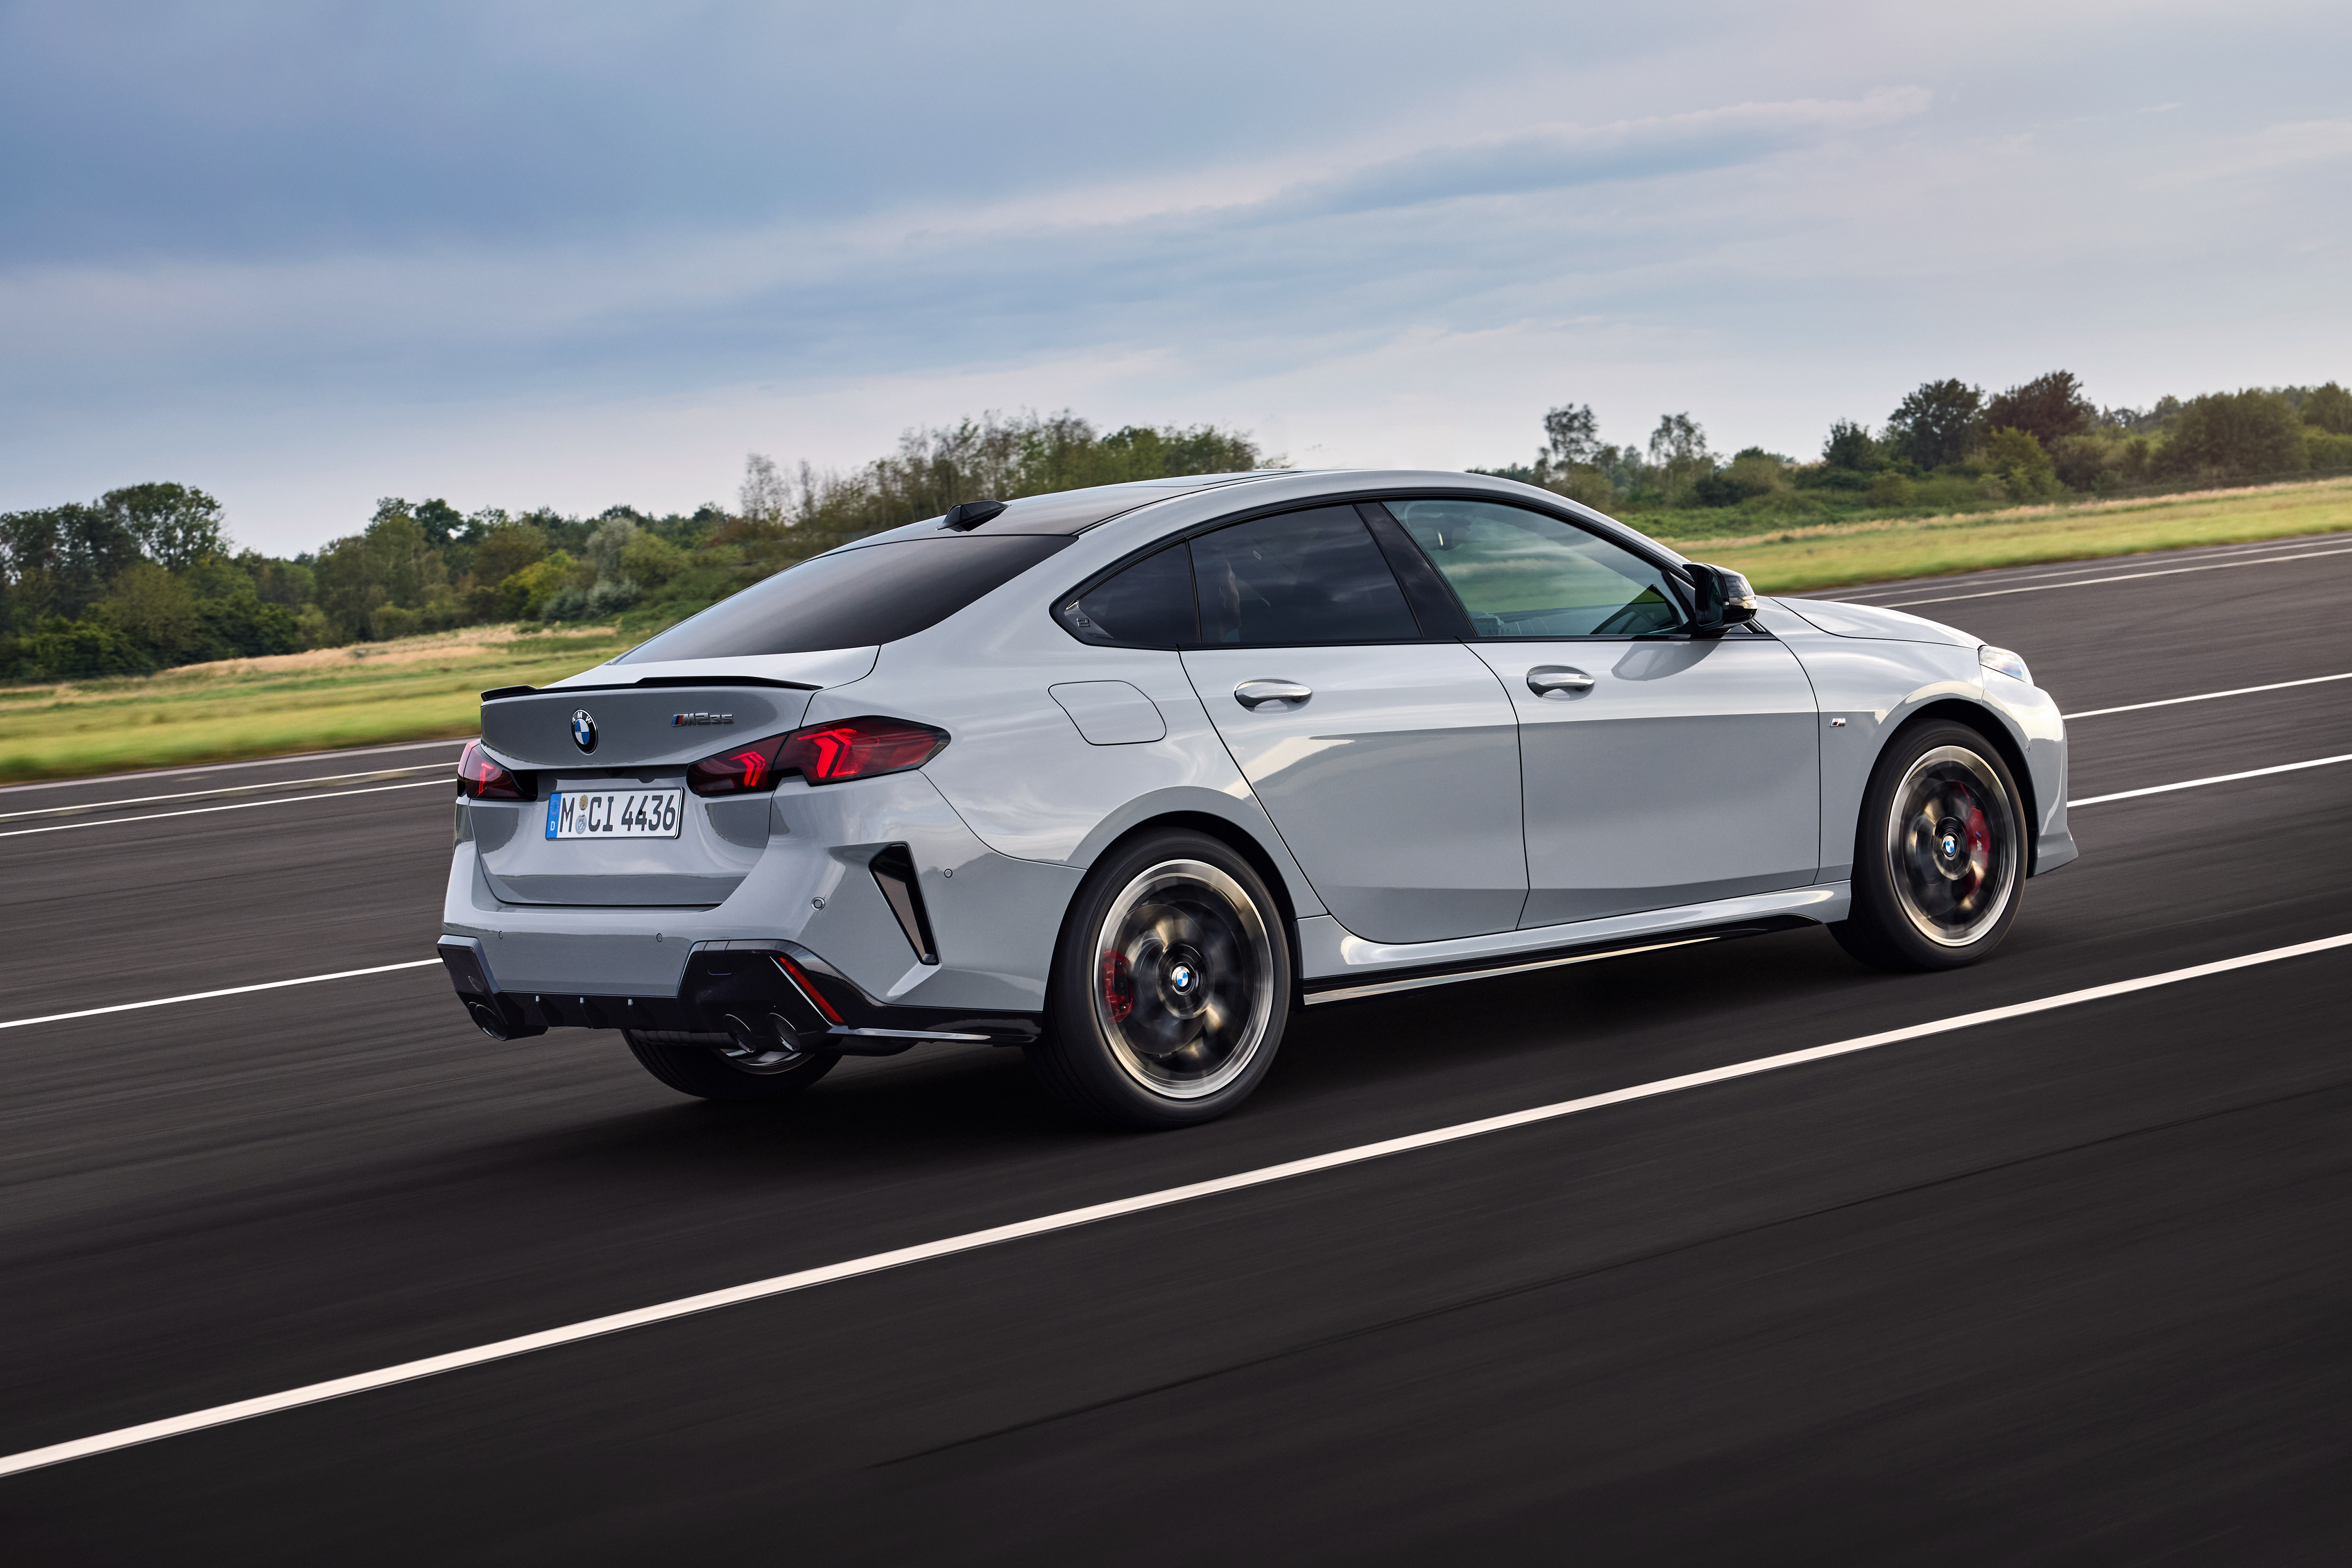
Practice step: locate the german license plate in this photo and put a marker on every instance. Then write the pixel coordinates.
(616, 813)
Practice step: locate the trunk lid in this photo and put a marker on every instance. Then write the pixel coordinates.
(613, 744)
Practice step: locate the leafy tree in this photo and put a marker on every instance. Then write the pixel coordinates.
(1679, 457)
(651, 560)
(2234, 433)
(1938, 424)
(1572, 436)
(393, 565)
(57, 561)
(506, 549)
(2330, 408)
(2049, 408)
(175, 525)
(1850, 446)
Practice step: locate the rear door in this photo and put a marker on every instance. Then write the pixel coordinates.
(1658, 768)
(1386, 758)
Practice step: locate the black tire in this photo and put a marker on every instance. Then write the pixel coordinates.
(699, 1065)
(1939, 852)
(1171, 986)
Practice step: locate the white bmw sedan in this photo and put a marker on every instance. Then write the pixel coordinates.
(1122, 777)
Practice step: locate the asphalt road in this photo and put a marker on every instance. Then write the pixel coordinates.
(2074, 1285)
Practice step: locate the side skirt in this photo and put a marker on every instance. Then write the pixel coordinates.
(1345, 991)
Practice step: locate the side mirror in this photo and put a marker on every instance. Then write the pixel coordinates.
(1719, 597)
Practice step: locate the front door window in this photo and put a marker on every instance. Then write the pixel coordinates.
(1521, 573)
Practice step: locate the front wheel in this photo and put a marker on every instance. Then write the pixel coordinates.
(1169, 988)
(713, 1067)
(1939, 853)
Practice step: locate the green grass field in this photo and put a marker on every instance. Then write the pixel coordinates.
(423, 687)
(1837, 554)
(413, 689)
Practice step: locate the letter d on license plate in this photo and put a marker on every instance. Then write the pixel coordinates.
(616, 813)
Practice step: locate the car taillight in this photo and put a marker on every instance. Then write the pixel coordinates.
(479, 778)
(823, 753)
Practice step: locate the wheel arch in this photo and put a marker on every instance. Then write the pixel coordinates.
(1988, 722)
(1265, 862)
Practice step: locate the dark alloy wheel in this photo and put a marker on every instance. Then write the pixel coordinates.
(1169, 988)
(713, 1067)
(1939, 852)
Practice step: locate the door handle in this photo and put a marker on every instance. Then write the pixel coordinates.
(1558, 680)
(1256, 694)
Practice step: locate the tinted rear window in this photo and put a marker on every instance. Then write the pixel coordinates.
(857, 597)
(1301, 578)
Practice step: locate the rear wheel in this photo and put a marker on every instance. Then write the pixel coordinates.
(713, 1067)
(1939, 853)
(1169, 989)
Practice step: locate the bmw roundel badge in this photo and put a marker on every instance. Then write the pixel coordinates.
(584, 730)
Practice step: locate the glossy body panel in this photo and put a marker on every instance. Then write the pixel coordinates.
(1877, 686)
(811, 884)
(1396, 784)
(1328, 950)
(1688, 772)
(1403, 772)
(701, 865)
(1110, 713)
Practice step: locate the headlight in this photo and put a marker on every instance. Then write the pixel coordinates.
(2008, 663)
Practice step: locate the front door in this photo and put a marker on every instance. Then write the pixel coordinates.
(1388, 763)
(1657, 769)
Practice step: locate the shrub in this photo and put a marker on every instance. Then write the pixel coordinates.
(524, 595)
(2234, 433)
(2082, 461)
(2049, 408)
(2330, 408)
(2327, 452)
(1850, 446)
(1893, 489)
(2017, 460)
(652, 559)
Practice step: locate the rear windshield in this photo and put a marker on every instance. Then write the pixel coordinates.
(855, 598)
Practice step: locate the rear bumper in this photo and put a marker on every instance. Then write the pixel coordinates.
(766, 988)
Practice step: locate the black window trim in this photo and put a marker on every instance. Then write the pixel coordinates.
(1677, 576)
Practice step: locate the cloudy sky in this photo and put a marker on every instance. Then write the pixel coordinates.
(577, 254)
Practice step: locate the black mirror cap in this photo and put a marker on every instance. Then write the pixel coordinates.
(1720, 597)
(965, 516)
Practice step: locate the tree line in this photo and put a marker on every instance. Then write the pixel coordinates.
(146, 577)
(1948, 445)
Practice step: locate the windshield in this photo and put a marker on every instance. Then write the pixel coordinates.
(852, 598)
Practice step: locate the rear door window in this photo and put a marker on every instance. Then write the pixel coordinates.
(1298, 579)
(1522, 574)
(852, 598)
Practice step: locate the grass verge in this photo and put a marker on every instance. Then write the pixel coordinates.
(416, 689)
(1832, 555)
(423, 687)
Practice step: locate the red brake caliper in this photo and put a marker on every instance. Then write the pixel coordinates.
(1118, 987)
(1979, 847)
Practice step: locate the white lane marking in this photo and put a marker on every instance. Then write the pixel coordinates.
(226, 767)
(1067, 1219)
(2217, 778)
(2205, 697)
(2119, 577)
(240, 805)
(2073, 568)
(86, 807)
(209, 995)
